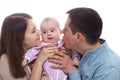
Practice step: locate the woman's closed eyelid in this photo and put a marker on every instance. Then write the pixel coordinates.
(33, 31)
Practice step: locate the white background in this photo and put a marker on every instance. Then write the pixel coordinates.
(39, 9)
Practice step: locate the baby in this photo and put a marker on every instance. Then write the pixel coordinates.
(50, 34)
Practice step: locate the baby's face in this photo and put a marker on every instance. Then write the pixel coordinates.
(50, 32)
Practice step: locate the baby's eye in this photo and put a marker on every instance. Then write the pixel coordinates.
(52, 30)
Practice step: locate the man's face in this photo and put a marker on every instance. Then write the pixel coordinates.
(68, 36)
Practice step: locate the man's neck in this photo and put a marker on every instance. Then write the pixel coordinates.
(87, 47)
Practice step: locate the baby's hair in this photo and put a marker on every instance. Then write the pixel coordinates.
(47, 19)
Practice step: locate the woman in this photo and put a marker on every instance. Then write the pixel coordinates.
(13, 44)
(18, 34)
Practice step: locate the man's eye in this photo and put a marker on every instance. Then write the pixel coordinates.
(44, 32)
(65, 29)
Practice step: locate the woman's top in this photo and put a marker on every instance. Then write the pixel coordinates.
(5, 71)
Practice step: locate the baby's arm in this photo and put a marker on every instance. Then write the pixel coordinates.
(25, 61)
(75, 57)
(76, 61)
(30, 55)
(45, 78)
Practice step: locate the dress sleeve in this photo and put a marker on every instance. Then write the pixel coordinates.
(31, 54)
(74, 54)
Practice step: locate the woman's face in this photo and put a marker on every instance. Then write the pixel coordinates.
(32, 36)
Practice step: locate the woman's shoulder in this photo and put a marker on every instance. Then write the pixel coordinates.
(3, 59)
(3, 66)
(5, 71)
(3, 62)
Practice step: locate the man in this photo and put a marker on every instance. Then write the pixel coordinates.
(82, 33)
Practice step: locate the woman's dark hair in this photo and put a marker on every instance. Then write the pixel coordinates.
(12, 35)
(87, 21)
(27, 16)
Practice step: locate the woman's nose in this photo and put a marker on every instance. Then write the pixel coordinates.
(38, 32)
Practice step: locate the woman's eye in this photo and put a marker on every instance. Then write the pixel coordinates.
(33, 31)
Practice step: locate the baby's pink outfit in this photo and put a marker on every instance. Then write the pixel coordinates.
(54, 74)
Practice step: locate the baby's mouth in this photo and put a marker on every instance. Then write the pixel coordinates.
(50, 38)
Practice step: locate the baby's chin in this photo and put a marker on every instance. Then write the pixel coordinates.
(51, 41)
(40, 41)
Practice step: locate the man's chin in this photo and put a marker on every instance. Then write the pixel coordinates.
(66, 46)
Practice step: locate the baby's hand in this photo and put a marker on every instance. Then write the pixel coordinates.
(76, 61)
(24, 62)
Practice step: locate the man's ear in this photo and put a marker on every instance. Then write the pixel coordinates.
(79, 36)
